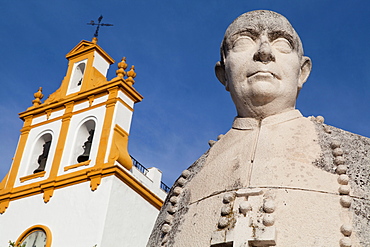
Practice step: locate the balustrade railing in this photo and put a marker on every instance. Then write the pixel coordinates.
(145, 171)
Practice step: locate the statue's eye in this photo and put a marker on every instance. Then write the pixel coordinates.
(282, 45)
(243, 43)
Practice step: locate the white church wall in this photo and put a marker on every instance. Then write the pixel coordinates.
(126, 99)
(122, 117)
(100, 100)
(39, 119)
(75, 215)
(80, 106)
(56, 114)
(129, 219)
(100, 64)
(79, 217)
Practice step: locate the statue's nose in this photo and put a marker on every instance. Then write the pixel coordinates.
(264, 53)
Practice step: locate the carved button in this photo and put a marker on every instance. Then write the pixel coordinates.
(344, 189)
(244, 207)
(346, 230)
(345, 201)
(338, 152)
(174, 199)
(225, 210)
(335, 144)
(223, 222)
(168, 219)
(320, 119)
(343, 179)
(172, 209)
(268, 220)
(166, 228)
(269, 206)
(339, 160)
(185, 173)
(228, 197)
(345, 242)
(177, 191)
(211, 143)
(181, 181)
(341, 169)
(220, 136)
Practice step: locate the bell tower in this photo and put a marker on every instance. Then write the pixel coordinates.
(72, 162)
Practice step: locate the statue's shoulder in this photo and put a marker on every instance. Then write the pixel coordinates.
(355, 150)
(175, 202)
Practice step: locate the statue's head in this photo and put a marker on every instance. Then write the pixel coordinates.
(262, 64)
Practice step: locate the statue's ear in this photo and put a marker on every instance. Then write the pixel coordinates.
(306, 66)
(221, 75)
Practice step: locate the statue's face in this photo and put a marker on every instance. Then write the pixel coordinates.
(262, 65)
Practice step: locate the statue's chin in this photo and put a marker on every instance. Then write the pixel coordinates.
(263, 93)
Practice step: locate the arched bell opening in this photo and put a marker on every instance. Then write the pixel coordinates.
(40, 153)
(77, 76)
(84, 141)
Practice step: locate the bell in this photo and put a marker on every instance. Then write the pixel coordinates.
(87, 148)
(85, 156)
(43, 157)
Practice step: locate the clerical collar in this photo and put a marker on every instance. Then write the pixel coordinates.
(252, 123)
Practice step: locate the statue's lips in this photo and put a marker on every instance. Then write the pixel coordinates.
(264, 74)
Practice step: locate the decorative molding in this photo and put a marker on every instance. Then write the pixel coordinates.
(85, 163)
(92, 175)
(32, 176)
(107, 126)
(48, 113)
(4, 205)
(118, 150)
(91, 99)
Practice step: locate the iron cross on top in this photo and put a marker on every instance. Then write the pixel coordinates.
(98, 25)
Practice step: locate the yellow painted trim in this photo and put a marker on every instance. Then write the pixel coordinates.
(67, 79)
(91, 100)
(86, 46)
(129, 91)
(118, 151)
(91, 174)
(66, 120)
(48, 189)
(72, 114)
(4, 204)
(85, 163)
(48, 113)
(3, 182)
(19, 152)
(32, 176)
(32, 229)
(107, 126)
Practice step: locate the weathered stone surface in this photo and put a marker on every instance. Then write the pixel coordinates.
(276, 178)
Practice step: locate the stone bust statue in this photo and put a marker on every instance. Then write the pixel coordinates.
(275, 178)
(262, 64)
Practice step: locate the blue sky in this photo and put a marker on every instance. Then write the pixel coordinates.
(174, 46)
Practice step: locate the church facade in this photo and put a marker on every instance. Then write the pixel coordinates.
(72, 181)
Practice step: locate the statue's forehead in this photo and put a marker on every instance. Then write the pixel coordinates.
(260, 21)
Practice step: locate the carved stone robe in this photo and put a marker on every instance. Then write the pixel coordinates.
(285, 181)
